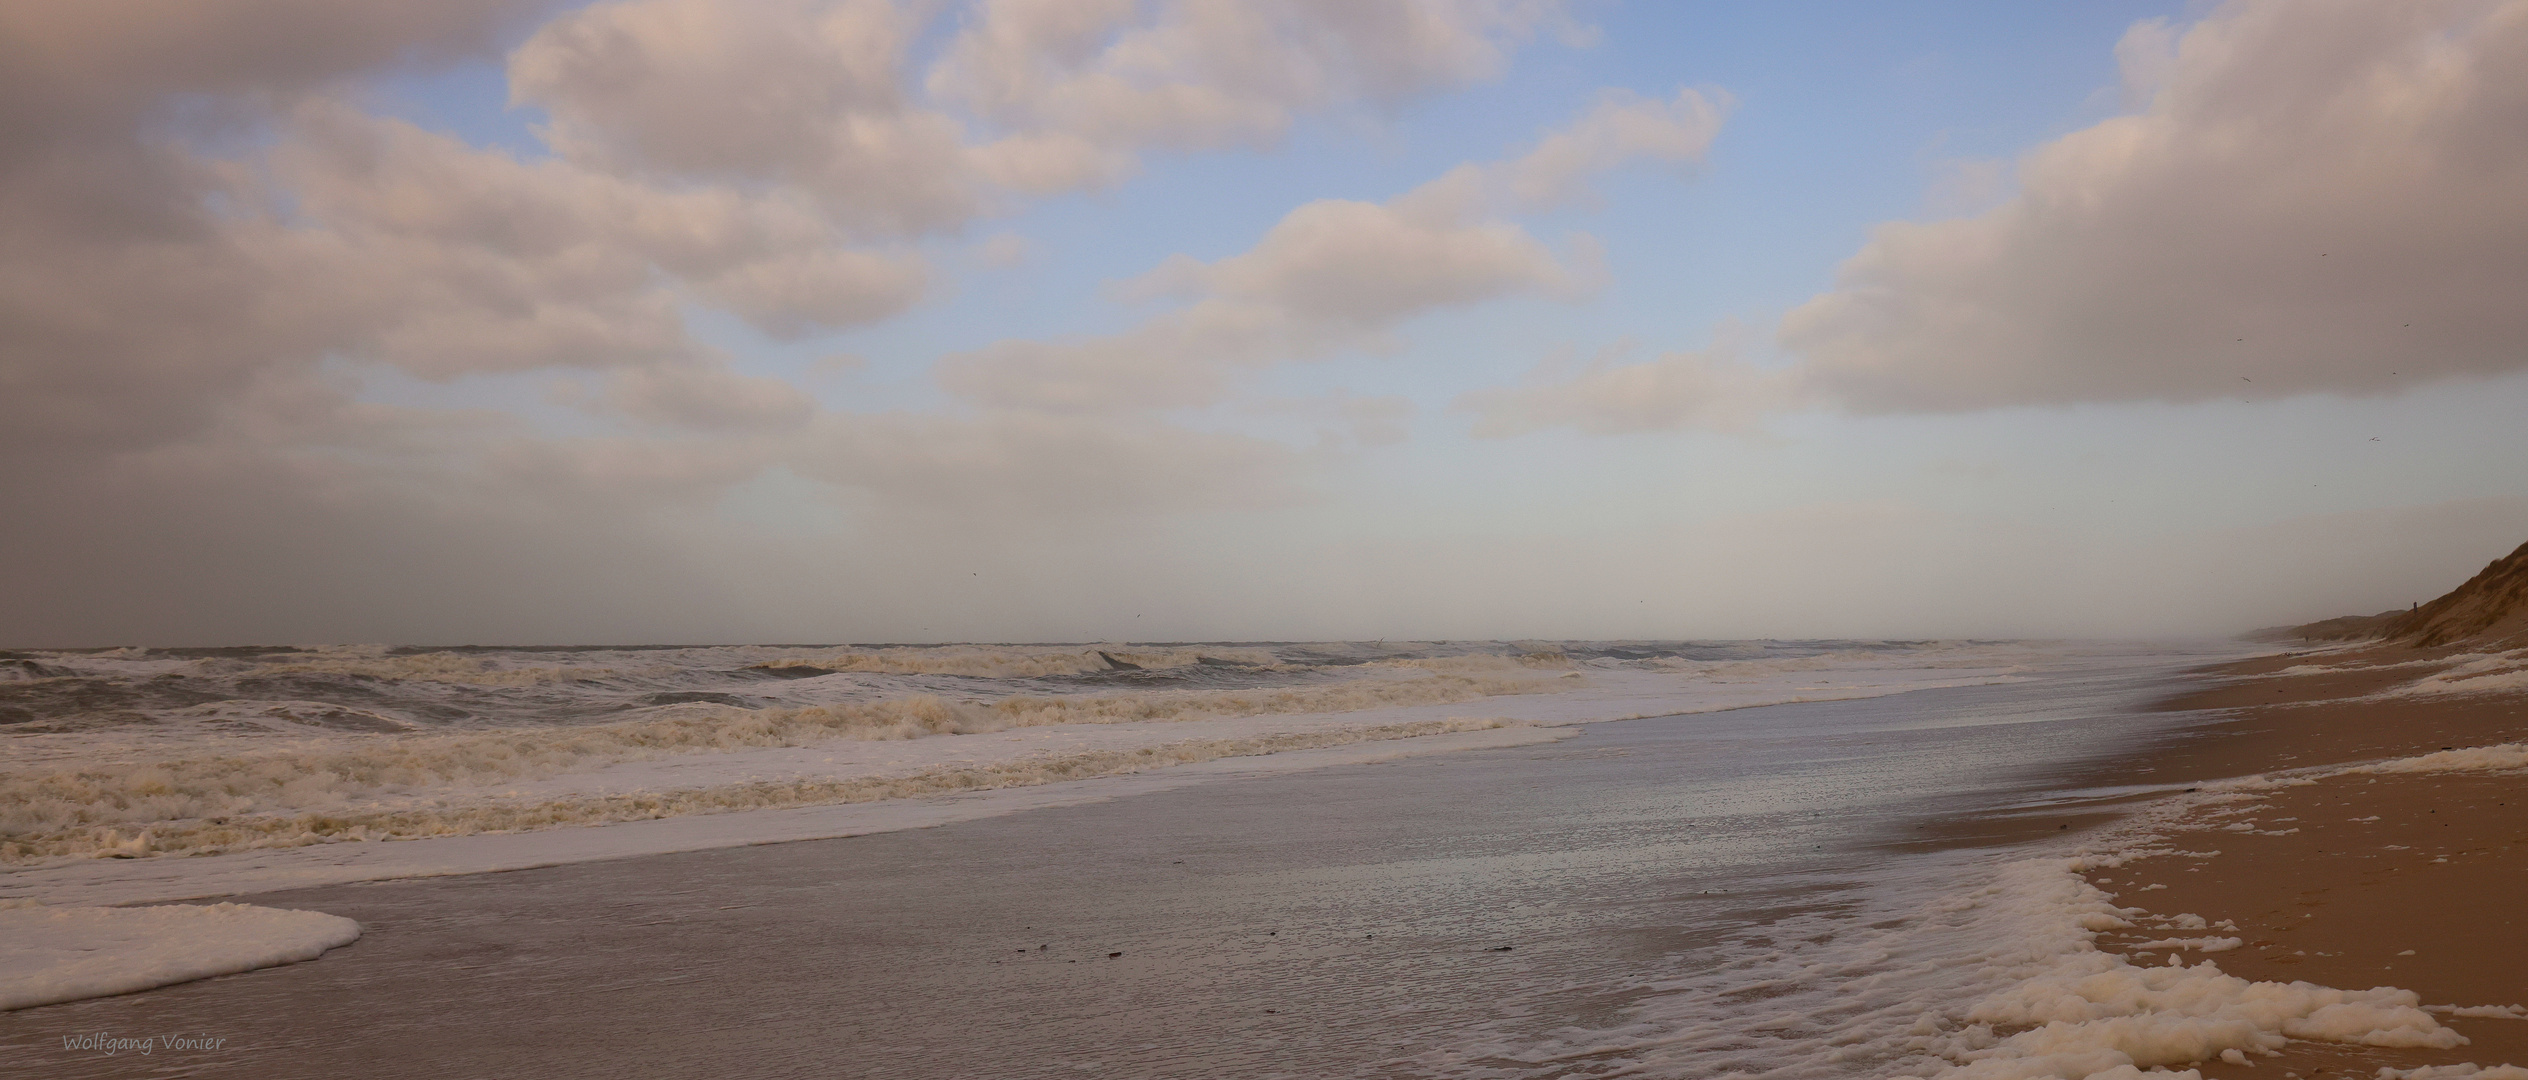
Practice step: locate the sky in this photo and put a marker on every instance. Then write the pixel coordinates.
(677, 321)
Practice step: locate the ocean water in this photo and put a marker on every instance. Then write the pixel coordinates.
(376, 689)
(141, 753)
(1810, 889)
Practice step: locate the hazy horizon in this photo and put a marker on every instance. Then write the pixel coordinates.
(669, 321)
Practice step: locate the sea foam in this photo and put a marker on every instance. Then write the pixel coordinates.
(139, 753)
(2004, 979)
(50, 955)
(305, 792)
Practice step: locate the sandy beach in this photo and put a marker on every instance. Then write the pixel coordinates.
(2358, 879)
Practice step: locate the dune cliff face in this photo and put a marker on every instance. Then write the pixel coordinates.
(2491, 607)
(2340, 628)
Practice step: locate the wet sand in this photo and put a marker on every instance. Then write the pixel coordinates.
(2417, 881)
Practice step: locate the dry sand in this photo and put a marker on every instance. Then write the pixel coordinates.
(2417, 881)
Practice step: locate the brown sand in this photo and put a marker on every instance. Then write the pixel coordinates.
(2417, 881)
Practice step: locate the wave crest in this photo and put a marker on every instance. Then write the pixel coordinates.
(1018, 661)
(207, 835)
(440, 667)
(129, 809)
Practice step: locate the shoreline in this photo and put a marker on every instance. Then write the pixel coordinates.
(177, 879)
(1013, 770)
(2334, 874)
(1498, 899)
(2191, 727)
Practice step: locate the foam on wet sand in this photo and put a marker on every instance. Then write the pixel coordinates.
(50, 954)
(2356, 864)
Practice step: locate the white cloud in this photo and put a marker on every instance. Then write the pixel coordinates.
(805, 292)
(132, 312)
(1356, 265)
(2319, 197)
(1332, 274)
(1337, 274)
(84, 72)
(807, 93)
(765, 159)
(1001, 251)
(708, 396)
(1013, 468)
(816, 94)
(1186, 360)
(1207, 73)
(1174, 361)
(368, 239)
(1622, 127)
(1712, 389)
(1373, 421)
(445, 260)
(1344, 421)
(2146, 56)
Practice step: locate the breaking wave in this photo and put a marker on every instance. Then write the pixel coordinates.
(140, 751)
(49, 814)
(1017, 661)
(446, 667)
(181, 825)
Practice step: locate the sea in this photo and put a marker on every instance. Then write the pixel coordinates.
(1688, 859)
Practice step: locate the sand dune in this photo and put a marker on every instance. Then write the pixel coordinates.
(2491, 608)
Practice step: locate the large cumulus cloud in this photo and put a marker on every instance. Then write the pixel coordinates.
(2312, 196)
(2319, 197)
